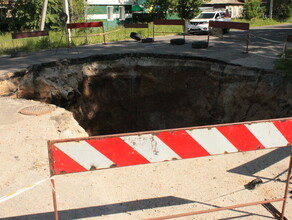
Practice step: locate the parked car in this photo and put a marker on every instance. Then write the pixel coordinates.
(200, 24)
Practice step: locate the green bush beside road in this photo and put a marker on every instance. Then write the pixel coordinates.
(285, 64)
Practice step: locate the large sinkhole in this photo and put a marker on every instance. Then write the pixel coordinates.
(135, 92)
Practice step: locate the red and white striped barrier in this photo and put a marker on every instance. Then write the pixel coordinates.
(78, 155)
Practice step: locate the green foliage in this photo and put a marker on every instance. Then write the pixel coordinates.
(257, 22)
(26, 15)
(159, 7)
(253, 9)
(188, 9)
(282, 9)
(285, 64)
(77, 11)
(117, 34)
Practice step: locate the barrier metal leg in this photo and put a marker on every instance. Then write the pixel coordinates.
(286, 188)
(103, 36)
(208, 39)
(153, 31)
(247, 41)
(55, 199)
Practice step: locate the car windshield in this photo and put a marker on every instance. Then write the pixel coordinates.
(206, 15)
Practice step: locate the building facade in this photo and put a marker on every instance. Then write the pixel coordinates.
(112, 12)
(235, 7)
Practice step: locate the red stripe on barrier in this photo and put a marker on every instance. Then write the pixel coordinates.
(84, 25)
(289, 38)
(231, 25)
(285, 127)
(29, 34)
(65, 164)
(118, 151)
(241, 137)
(183, 144)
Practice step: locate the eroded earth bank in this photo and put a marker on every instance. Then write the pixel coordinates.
(135, 92)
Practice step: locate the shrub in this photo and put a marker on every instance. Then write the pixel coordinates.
(253, 9)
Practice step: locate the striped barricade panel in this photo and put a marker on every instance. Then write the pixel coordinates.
(168, 22)
(229, 25)
(78, 155)
(84, 25)
(29, 34)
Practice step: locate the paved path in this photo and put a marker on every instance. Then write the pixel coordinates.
(263, 51)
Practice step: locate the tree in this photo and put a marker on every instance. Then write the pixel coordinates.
(282, 9)
(77, 11)
(160, 7)
(26, 15)
(253, 9)
(188, 9)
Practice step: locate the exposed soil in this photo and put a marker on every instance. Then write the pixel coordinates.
(133, 92)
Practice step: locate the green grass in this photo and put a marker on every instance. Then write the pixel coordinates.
(285, 64)
(261, 22)
(78, 38)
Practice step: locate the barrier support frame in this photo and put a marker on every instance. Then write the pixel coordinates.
(231, 25)
(87, 25)
(53, 185)
(284, 199)
(168, 22)
(53, 172)
(281, 217)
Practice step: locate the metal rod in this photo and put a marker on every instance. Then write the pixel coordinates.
(217, 209)
(208, 38)
(153, 31)
(287, 187)
(52, 172)
(103, 35)
(247, 41)
(55, 199)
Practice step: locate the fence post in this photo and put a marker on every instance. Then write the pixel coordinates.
(103, 35)
(247, 40)
(287, 187)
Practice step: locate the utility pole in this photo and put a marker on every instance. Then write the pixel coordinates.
(44, 12)
(66, 10)
(271, 9)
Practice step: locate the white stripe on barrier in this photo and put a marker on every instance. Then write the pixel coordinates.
(151, 147)
(268, 134)
(212, 140)
(18, 192)
(84, 154)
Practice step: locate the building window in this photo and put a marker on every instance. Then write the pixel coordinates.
(122, 12)
(110, 13)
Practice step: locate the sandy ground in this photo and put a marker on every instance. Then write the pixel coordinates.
(143, 191)
(137, 192)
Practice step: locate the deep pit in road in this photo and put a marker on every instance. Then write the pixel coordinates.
(140, 92)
